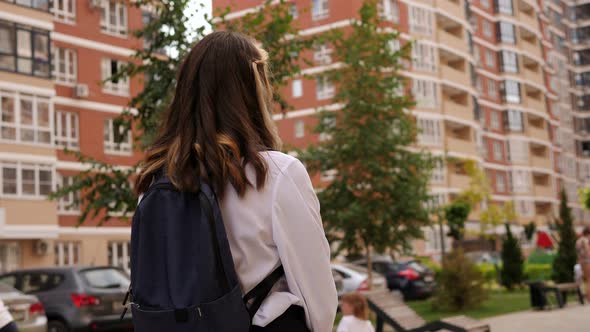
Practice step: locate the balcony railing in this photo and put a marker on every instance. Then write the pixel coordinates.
(452, 41)
(463, 146)
(541, 162)
(457, 110)
(453, 8)
(454, 75)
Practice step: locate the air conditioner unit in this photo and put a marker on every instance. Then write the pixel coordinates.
(94, 3)
(81, 90)
(41, 247)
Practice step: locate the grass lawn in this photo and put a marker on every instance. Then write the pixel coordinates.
(499, 302)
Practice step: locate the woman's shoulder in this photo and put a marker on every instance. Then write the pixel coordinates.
(279, 162)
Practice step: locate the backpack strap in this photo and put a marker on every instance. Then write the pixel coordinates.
(261, 291)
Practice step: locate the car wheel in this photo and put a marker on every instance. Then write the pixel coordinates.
(56, 326)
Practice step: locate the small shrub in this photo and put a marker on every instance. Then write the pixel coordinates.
(512, 261)
(540, 257)
(489, 272)
(460, 284)
(429, 263)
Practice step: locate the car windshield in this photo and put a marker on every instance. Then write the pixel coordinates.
(105, 278)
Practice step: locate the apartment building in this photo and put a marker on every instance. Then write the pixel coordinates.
(53, 56)
(487, 77)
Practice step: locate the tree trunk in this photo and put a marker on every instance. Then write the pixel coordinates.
(442, 237)
(369, 268)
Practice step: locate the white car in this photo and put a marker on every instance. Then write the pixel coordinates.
(28, 313)
(355, 278)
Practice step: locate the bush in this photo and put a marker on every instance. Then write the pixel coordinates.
(540, 257)
(489, 272)
(512, 261)
(460, 284)
(429, 263)
(537, 272)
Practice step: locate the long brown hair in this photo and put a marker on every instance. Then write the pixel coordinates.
(358, 302)
(219, 119)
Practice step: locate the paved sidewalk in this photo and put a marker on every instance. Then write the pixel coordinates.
(573, 318)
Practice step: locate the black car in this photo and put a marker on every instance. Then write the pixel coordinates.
(77, 298)
(411, 278)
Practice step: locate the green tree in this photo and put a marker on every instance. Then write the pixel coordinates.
(563, 265)
(377, 198)
(460, 284)
(456, 214)
(512, 261)
(105, 188)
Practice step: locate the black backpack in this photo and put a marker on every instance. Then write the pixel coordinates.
(182, 272)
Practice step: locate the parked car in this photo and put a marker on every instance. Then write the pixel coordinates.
(414, 280)
(77, 298)
(484, 257)
(26, 310)
(355, 278)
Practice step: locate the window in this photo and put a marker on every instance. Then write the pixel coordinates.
(525, 208)
(390, 10)
(67, 253)
(293, 10)
(423, 57)
(320, 9)
(297, 88)
(299, 129)
(68, 204)
(497, 146)
(437, 200)
(490, 60)
(492, 89)
(118, 254)
(328, 176)
(24, 50)
(113, 17)
(438, 172)
(514, 121)
(478, 84)
(495, 120)
(512, 91)
(429, 132)
(324, 88)
(25, 118)
(487, 28)
(420, 20)
(64, 10)
(329, 123)
(109, 68)
(37, 4)
(117, 139)
(26, 180)
(64, 65)
(322, 54)
(521, 181)
(504, 6)
(509, 62)
(67, 132)
(485, 3)
(425, 93)
(506, 32)
(500, 182)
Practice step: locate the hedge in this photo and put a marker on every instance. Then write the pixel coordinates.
(532, 272)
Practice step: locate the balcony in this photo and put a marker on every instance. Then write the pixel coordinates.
(452, 41)
(530, 46)
(454, 75)
(462, 146)
(459, 180)
(544, 191)
(533, 76)
(541, 162)
(453, 8)
(38, 10)
(454, 109)
(534, 103)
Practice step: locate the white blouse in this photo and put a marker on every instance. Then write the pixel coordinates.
(353, 324)
(281, 224)
(5, 316)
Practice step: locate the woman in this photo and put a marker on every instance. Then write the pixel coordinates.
(583, 249)
(355, 313)
(219, 128)
(6, 322)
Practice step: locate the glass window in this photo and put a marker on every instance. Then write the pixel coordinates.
(485, 3)
(67, 130)
(504, 6)
(24, 50)
(64, 66)
(64, 10)
(322, 54)
(492, 89)
(299, 129)
(120, 86)
(495, 120)
(438, 172)
(507, 33)
(490, 59)
(113, 17)
(117, 139)
(297, 88)
(518, 151)
(37, 4)
(429, 132)
(500, 182)
(293, 11)
(497, 150)
(7, 46)
(512, 91)
(425, 93)
(34, 112)
(320, 9)
(324, 88)
(509, 61)
(487, 28)
(389, 10)
(9, 179)
(118, 254)
(421, 20)
(69, 203)
(423, 57)
(67, 253)
(514, 121)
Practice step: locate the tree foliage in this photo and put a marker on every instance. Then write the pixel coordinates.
(460, 285)
(377, 197)
(529, 230)
(456, 214)
(563, 265)
(105, 189)
(512, 272)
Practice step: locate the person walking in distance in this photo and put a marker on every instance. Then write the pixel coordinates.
(583, 250)
(217, 156)
(355, 311)
(6, 322)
